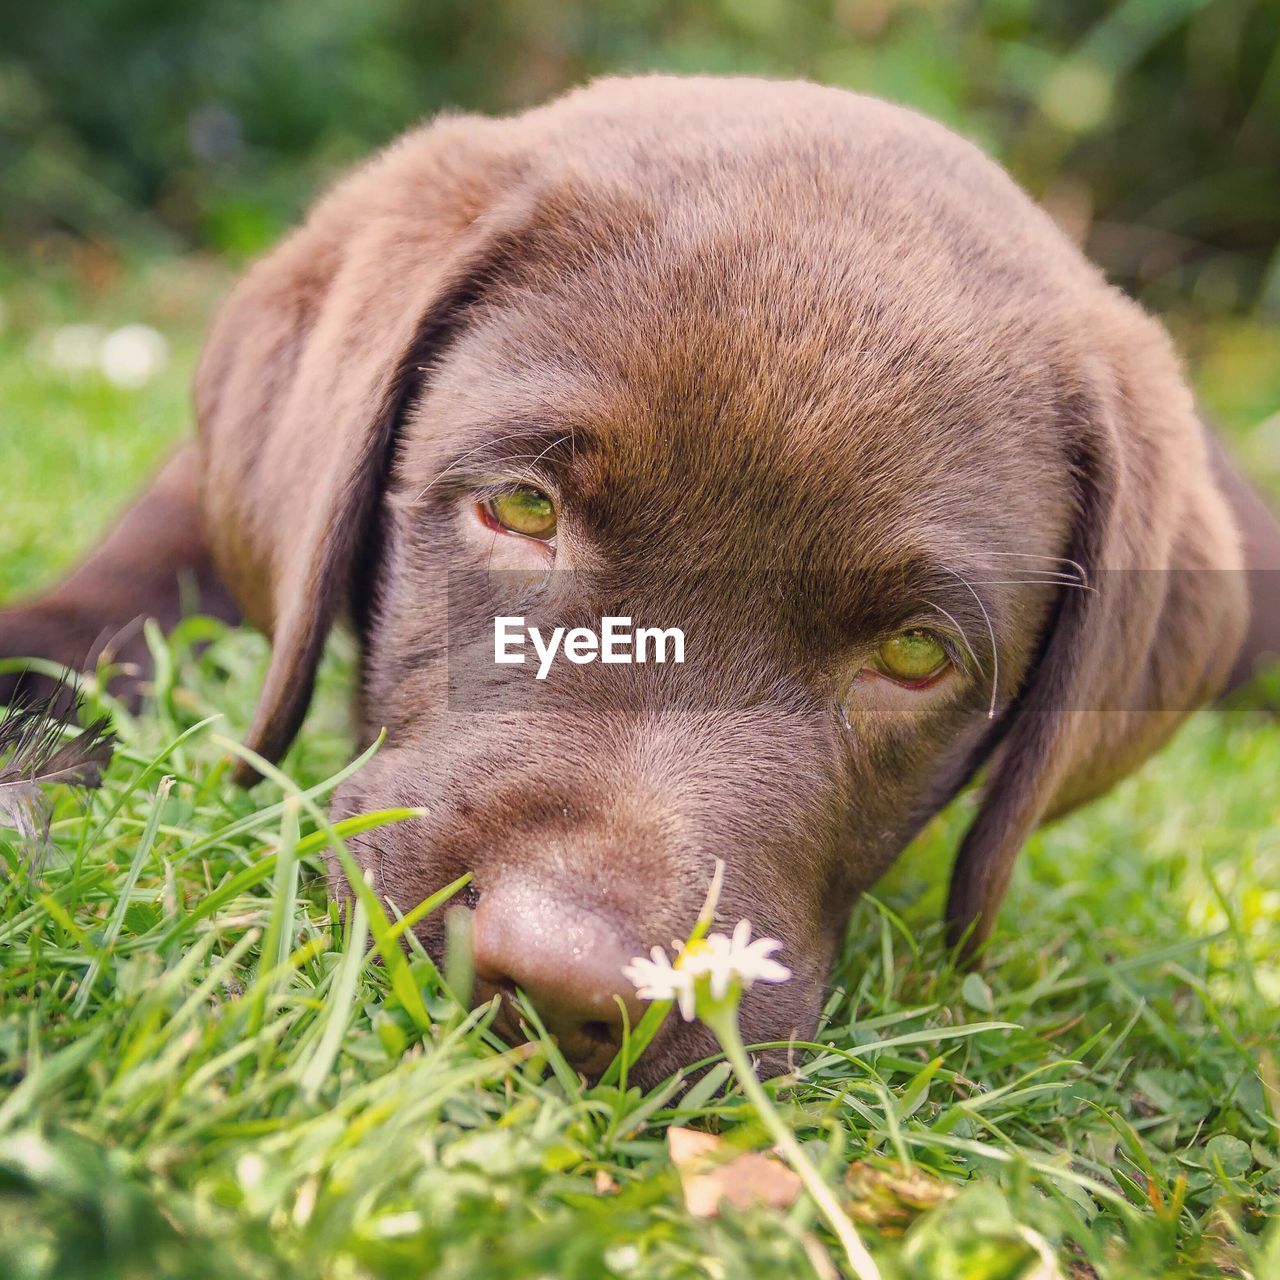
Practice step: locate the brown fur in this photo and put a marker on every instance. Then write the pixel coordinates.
(800, 367)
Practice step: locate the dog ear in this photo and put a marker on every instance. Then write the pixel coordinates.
(309, 369)
(1151, 636)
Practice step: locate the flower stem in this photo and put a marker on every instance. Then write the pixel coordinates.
(724, 1022)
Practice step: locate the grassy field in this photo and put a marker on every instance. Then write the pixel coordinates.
(204, 1073)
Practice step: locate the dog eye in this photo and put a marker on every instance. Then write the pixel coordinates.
(911, 657)
(526, 511)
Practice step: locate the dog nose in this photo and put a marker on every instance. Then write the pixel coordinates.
(567, 962)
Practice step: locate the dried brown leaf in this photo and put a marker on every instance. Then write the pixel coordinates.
(711, 1174)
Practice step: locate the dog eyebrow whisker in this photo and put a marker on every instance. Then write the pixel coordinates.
(1046, 577)
(457, 462)
(1054, 581)
(1062, 574)
(559, 440)
(1080, 571)
(488, 564)
(507, 458)
(960, 631)
(991, 632)
(494, 444)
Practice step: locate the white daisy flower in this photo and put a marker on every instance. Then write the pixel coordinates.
(714, 963)
(657, 979)
(723, 960)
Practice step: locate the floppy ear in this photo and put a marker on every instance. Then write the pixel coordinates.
(1152, 637)
(310, 368)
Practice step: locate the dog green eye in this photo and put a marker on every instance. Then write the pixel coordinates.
(911, 657)
(524, 510)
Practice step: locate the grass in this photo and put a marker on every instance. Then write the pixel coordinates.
(204, 1072)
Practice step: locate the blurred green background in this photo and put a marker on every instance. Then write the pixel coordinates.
(148, 147)
(1151, 125)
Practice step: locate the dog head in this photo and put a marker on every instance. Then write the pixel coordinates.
(795, 372)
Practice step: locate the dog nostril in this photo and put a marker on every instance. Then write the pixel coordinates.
(568, 964)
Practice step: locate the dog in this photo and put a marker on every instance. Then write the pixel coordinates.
(799, 372)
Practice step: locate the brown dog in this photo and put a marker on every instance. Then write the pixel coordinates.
(797, 371)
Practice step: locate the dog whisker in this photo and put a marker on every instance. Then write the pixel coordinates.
(1037, 582)
(470, 453)
(512, 457)
(555, 444)
(991, 632)
(1080, 571)
(933, 604)
(1040, 575)
(488, 445)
